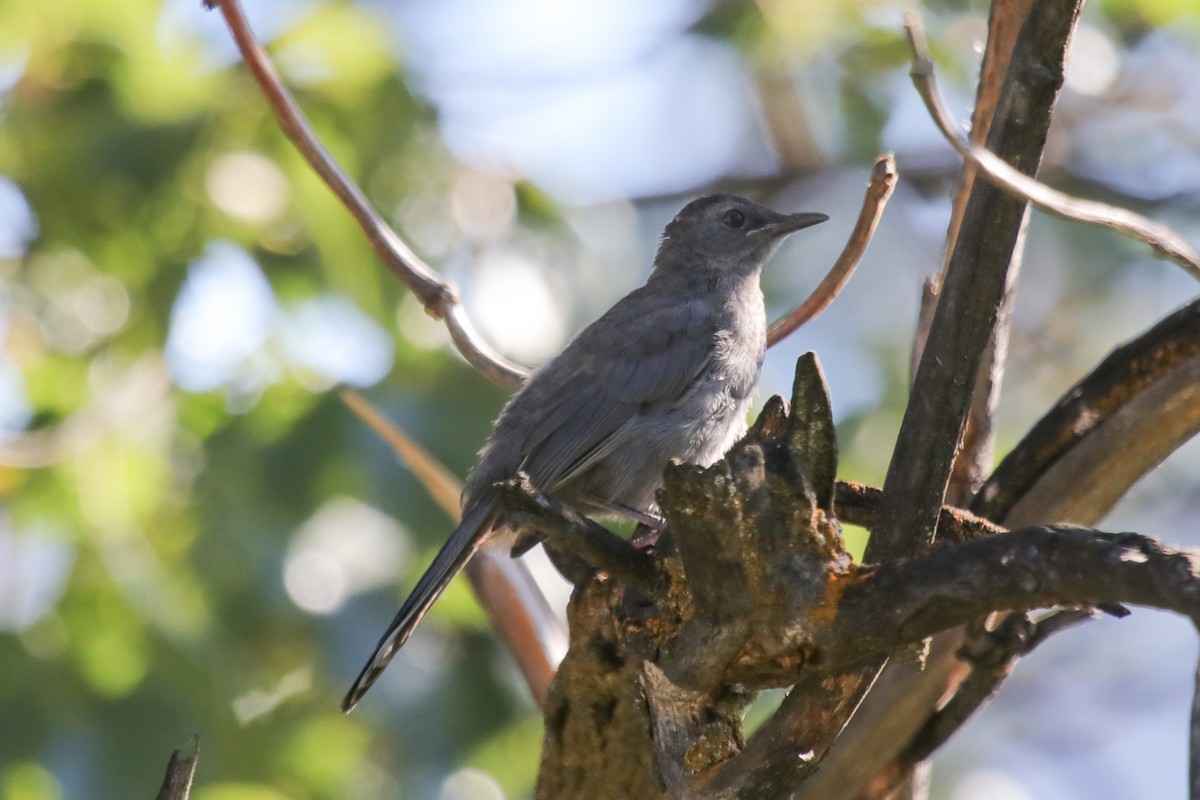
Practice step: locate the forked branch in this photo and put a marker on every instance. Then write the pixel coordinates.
(1162, 238)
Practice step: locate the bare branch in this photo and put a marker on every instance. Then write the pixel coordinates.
(859, 504)
(181, 770)
(901, 602)
(440, 299)
(881, 609)
(974, 459)
(1145, 392)
(1165, 242)
(992, 656)
(506, 590)
(965, 320)
(879, 189)
(592, 546)
(1014, 112)
(1142, 401)
(795, 637)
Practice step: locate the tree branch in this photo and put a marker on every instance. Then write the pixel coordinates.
(573, 539)
(965, 319)
(440, 299)
(908, 689)
(1033, 567)
(1167, 355)
(181, 770)
(886, 608)
(879, 189)
(1165, 242)
(1142, 401)
(961, 334)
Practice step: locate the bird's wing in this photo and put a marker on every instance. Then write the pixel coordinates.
(616, 381)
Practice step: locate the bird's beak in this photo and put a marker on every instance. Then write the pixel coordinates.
(791, 223)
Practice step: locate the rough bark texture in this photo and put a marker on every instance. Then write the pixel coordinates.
(749, 588)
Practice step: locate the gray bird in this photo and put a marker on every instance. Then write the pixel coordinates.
(667, 373)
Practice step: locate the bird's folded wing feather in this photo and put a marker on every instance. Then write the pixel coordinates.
(616, 382)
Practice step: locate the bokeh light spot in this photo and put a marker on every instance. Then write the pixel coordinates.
(247, 186)
(346, 547)
(516, 308)
(470, 784)
(223, 314)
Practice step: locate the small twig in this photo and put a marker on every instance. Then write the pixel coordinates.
(440, 299)
(992, 658)
(559, 525)
(1165, 241)
(181, 769)
(879, 189)
(859, 504)
(1168, 352)
(506, 589)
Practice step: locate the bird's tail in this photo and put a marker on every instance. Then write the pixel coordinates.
(450, 560)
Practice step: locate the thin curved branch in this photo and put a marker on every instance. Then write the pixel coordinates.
(1166, 352)
(440, 299)
(879, 189)
(1165, 242)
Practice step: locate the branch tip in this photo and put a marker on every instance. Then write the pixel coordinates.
(879, 189)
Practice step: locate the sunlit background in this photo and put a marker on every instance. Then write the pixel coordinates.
(196, 536)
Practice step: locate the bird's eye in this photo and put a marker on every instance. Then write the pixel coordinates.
(734, 218)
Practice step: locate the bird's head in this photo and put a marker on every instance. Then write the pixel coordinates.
(726, 233)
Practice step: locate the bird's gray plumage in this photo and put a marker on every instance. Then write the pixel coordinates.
(666, 373)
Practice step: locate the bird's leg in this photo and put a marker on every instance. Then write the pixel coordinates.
(645, 536)
(649, 526)
(652, 521)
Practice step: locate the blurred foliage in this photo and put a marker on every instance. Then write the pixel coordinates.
(148, 532)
